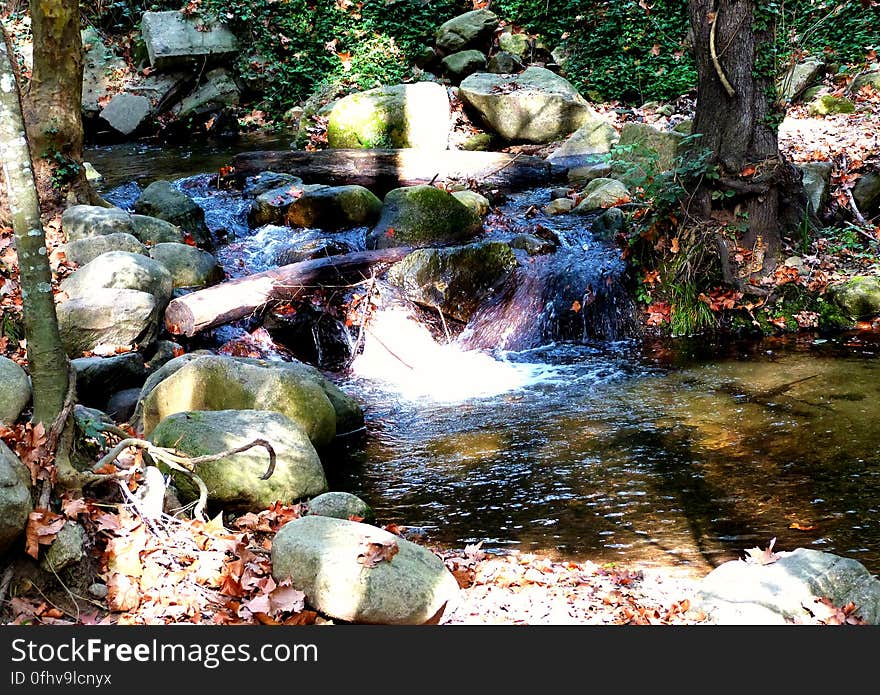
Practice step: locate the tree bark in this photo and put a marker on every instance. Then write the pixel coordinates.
(382, 170)
(235, 299)
(53, 104)
(737, 119)
(46, 356)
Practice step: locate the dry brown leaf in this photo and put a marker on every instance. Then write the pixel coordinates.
(373, 553)
(757, 556)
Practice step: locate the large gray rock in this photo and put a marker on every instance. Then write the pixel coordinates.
(107, 316)
(339, 505)
(454, 280)
(602, 193)
(160, 199)
(866, 192)
(218, 91)
(15, 390)
(872, 78)
(466, 30)
(187, 265)
(645, 151)
(404, 115)
(99, 377)
(174, 40)
(15, 497)
(504, 63)
(816, 179)
(234, 482)
(83, 251)
(422, 216)
(858, 297)
(121, 270)
(126, 113)
(460, 65)
(153, 230)
(100, 65)
(212, 382)
(162, 89)
(270, 206)
(783, 592)
(87, 221)
(799, 77)
(586, 145)
(338, 565)
(334, 207)
(535, 106)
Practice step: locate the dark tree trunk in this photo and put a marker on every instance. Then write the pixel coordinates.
(737, 119)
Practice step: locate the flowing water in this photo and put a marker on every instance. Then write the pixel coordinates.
(677, 454)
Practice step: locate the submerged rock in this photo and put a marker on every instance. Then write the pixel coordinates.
(234, 482)
(15, 390)
(362, 574)
(312, 335)
(311, 245)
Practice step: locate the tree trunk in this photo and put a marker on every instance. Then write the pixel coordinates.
(737, 119)
(53, 104)
(46, 356)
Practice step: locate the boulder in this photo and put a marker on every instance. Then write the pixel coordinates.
(535, 106)
(187, 265)
(799, 77)
(175, 40)
(109, 317)
(339, 505)
(121, 405)
(466, 30)
(602, 193)
(559, 206)
(216, 92)
(362, 574)
(270, 207)
(858, 297)
(454, 280)
(15, 390)
(311, 245)
(504, 63)
(267, 181)
(66, 549)
(422, 216)
(120, 270)
(515, 44)
(609, 224)
(587, 172)
(160, 199)
(782, 592)
(313, 335)
(866, 192)
(334, 207)
(88, 221)
(234, 482)
(100, 65)
(476, 202)
(816, 179)
(161, 89)
(586, 145)
(84, 251)
(212, 382)
(463, 63)
(829, 105)
(99, 377)
(404, 115)
(152, 230)
(15, 497)
(870, 78)
(644, 151)
(126, 113)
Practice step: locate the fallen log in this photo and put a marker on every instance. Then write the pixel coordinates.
(382, 170)
(236, 299)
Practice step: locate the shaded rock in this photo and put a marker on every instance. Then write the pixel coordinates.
(816, 179)
(828, 104)
(872, 78)
(163, 352)
(311, 245)
(88, 221)
(476, 202)
(587, 172)
(187, 265)
(535, 106)
(15, 390)
(466, 30)
(120, 270)
(84, 251)
(160, 199)
(174, 40)
(504, 63)
(422, 216)
(454, 280)
(404, 115)
(742, 593)
(320, 555)
(126, 113)
(312, 335)
(15, 497)
(270, 207)
(121, 405)
(799, 77)
(99, 65)
(66, 549)
(98, 377)
(644, 151)
(602, 193)
(463, 63)
(585, 145)
(212, 382)
(162, 89)
(559, 192)
(515, 44)
(234, 482)
(858, 297)
(334, 207)
(339, 505)
(267, 181)
(532, 245)
(609, 224)
(107, 316)
(559, 206)
(218, 91)
(866, 192)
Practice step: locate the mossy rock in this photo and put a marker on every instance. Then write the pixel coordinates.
(340, 505)
(602, 193)
(858, 297)
(334, 207)
(828, 104)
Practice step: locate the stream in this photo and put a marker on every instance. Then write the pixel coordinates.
(677, 454)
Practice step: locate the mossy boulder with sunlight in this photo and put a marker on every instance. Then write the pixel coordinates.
(422, 216)
(403, 115)
(858, 297)
(235, 482)
(334, 207)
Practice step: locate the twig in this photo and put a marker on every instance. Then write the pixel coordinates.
(390, 351)
(445, 329)
(731, 92)
(360, 337)
(855, 209)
